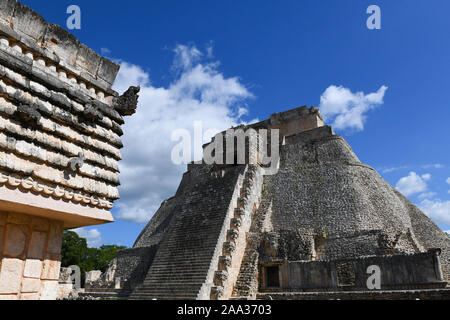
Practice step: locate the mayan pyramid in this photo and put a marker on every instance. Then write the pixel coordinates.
(314, 225)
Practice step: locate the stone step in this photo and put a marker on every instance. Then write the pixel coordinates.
(168, 266)
(177, 267)
(167, 294)
(170, 279)
(186, 285)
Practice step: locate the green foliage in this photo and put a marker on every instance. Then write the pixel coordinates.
(76, 252)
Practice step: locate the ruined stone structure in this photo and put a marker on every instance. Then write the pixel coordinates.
(308, 230)
(60, 128)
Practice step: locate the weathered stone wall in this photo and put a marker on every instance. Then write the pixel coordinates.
(30, 258)
(413, 271)
(125, 272)
(328, 205)
(60, 128)
(60, 121)
(321, 206)
(420, 294)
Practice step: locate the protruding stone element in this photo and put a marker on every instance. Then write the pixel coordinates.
(126, 104)
(220, 277)
(239, 212)
(236, 222)
(233, 234)
(225, 262)
(229, 247)
(245, 193)
(216, 292)
(242, 202)
(76, 163)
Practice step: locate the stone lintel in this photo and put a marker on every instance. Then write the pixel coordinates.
(74, 215)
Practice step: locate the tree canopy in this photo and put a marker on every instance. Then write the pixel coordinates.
(75, 251)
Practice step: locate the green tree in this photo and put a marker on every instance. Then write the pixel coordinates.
(76, 252)
(73, 249)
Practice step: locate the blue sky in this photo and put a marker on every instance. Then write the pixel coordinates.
(268, 56)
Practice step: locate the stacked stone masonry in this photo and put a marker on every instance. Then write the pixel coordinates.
(30, 247)
(60, 129)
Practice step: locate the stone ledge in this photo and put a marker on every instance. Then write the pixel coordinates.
(57, 192)
(426, 294)
(28, 27)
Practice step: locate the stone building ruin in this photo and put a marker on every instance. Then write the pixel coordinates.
(60, 128)
(311, 230)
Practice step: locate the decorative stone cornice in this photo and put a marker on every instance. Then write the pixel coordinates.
(59, 192)
(56, 46)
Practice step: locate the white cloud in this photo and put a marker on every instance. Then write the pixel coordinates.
(198, 92)
(392, 169)
(448, 181)
(105, 51)
(448, 232)
(413, 183)
(433, 166)
(438, 211)
(345, 109)
(186, 56)
(92, 236)
(426, 195)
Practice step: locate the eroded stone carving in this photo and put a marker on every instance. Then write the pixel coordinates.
(28, 114)
(216, 292)
(221, 275)
(29, 184)
(236, 222)
(76, 163)
(233, 234)
(225, 261)
(126, 104)
(229, 247)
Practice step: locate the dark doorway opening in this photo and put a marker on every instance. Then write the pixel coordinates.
(273, 277)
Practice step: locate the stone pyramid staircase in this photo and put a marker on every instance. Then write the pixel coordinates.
(182, 266)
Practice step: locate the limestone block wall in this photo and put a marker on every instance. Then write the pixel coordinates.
(325, 198)
(415, 271)
(60, 129)
(60, 121)
(30, 257)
